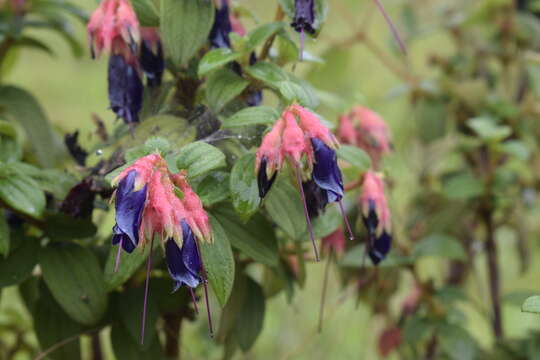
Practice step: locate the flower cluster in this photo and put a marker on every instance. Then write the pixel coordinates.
(147, 206)
(365, 129)
(299, 137)
(114, 28)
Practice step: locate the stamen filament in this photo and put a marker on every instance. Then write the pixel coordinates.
(393, 28)
(302, 40)
(344, 214)
(324, 289)
(205, 285)
(194, 300)
(118, 254)
(146, 285)
(306, 214)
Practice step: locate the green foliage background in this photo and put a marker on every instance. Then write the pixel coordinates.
(70, 89)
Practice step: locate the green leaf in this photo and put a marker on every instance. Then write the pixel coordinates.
(21, 192)
(53, 325)
(219, 262)
(462, 187)
(62, 227)
(531, 305)
(214, 188)
(222, 87)
(440, 245)
(287, 50)
(185, 25)
(22, 107)
(262, 33)
(327, 223)
(256, 115)
(199, 158)
(255, 239)
(10, 143)
(267, 73)
(457, 343)
(244, 188)
(354, 156)
(157, 143)
(129, 303)
(129, 264)
(215, 59)
(284, 206)
(487, 129)
(125, 347)
(249, 323)
(296, 90)
(74, 277)
(20, 262)
(146, 12)
(4, 235)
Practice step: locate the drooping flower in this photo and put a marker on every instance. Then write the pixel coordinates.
(376, 216)
(125, 89)
(366, 129)
(184, 264)
(151, 56)
(114, 28)
(304, 20)
(299, 137)
(147, 206)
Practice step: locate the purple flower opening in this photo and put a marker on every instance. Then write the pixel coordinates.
(129, 210)
(304, 16)
(152, 64)
(125, 89)
(326, 173)
(380, 248)
(219, 35)
(184, 264)
(262, 179)
(316, 198)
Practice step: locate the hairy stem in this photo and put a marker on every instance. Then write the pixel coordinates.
(493, 273)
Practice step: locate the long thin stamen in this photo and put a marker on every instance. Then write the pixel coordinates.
(344, 214)
(393, 28)
(324, 288)
(147, 283)
(117, 261)
(302, 40)
(194, 301)
(306, 214)
(205, 285)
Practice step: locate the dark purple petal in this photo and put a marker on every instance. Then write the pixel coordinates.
(304, 16)
(371, 221)
(219, 35)
(262, 179)
(125, 89)
(380, 248)
(316, 198)
(74, 148)
(79, 202)
(184, 264)
(326, 172)
(129, 208)
(152, 64)
(127, 245)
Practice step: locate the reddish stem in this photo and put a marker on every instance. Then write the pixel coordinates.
(194, 300)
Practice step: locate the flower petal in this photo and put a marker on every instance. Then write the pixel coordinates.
(380, 248)
(326, 172)
(129, 208)
(262, 179)
(177, 269)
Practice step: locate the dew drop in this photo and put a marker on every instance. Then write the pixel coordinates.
(99, 152)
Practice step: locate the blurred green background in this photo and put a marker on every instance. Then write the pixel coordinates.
(71, 89)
